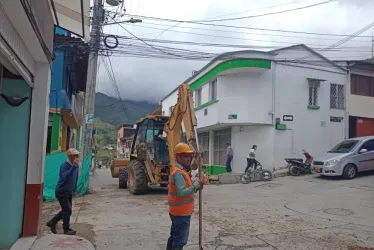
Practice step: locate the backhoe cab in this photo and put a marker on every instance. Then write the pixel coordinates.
(149, 159)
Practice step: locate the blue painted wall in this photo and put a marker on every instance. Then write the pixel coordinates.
(14, 134)
(57, 81)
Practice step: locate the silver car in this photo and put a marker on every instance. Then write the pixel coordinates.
(347, 158)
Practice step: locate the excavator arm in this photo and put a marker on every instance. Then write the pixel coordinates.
(184, 112)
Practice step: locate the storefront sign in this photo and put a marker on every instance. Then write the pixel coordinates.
(233, 116)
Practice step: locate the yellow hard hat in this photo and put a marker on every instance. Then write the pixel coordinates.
(182, 148)
(72, 151)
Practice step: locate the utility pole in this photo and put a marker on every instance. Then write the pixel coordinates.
(89, 101)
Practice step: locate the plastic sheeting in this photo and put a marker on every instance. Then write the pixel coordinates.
(52, 171)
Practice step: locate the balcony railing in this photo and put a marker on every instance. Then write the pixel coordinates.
(77, 104)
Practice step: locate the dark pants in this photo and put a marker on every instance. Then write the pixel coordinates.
(66, 204)
(228, 164)
(250, 163)
(179, 231)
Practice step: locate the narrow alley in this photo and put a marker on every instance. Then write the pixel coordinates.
(287, 213)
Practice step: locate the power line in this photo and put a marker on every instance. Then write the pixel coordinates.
(251, 10)
(113, 81)
(208, 19)
(150, 45)
(109, 105)
(272, 13)
(233, 26)
(246, 46)
(226, 31)
(344, 40)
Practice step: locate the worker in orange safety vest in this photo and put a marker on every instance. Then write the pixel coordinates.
(180, 197)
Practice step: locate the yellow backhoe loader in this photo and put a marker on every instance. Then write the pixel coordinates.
(155, 138)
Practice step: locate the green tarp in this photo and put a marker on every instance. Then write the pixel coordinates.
(52, 171)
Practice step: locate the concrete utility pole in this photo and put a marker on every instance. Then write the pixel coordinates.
(89, 104)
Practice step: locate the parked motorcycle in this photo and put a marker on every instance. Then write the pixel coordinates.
(255, 173)
(296, 166)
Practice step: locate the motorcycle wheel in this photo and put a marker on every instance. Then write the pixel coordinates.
(245, 179)
(294, 171)
(267, 175)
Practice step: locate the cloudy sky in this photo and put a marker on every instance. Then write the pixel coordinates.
(137, 76)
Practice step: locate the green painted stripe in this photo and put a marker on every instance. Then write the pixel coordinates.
(313, 107)
(232, 64)
(281, 127)
(56, 119)
(206, 104)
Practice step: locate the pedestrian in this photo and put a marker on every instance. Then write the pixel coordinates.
(229, 156)
(66, 189)
(251, 159)
(180, 197)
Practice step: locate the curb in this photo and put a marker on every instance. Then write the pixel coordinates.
(234, 178)
(24, 243)
(53, 241)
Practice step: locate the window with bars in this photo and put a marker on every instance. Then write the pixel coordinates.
(204, 142)
(198, 97)
(313, 91)
(213, 90)
(221, 137)
(362, 85)
(337, 98)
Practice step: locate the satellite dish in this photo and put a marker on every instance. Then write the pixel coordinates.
(113, 2)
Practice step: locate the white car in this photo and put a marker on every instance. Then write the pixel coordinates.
(347, 158)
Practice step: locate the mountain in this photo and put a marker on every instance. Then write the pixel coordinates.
(109, 109)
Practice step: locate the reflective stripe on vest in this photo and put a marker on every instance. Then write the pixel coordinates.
(179, 206)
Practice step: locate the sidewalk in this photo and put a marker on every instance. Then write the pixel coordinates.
(234, 178)
(53, 241)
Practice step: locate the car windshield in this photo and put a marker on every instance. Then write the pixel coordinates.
(344, 146)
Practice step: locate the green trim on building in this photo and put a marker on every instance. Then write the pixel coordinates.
(56, 121)
(232, 64)
(313, 107)
(281, 127)
(206, 104)
(214, 169)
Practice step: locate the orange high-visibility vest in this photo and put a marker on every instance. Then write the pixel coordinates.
(180, 206)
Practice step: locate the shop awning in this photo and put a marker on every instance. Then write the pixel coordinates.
(73, 16)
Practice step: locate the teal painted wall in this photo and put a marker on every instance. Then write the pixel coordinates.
(14, 134)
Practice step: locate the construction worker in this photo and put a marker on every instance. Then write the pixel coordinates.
(180, 197)
(66, 189)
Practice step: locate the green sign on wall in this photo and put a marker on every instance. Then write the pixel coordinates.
(233, 116)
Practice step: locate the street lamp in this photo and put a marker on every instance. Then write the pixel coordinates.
(131, 20)
(113, 2)
(134, 20)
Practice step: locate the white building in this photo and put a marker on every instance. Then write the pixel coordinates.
(282, 101)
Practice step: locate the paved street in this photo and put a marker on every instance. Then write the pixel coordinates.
(288, 213)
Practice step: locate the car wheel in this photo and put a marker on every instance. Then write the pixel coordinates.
(350, 171)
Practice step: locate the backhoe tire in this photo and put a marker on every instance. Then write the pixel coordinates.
(123, 177)
(138, 181)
